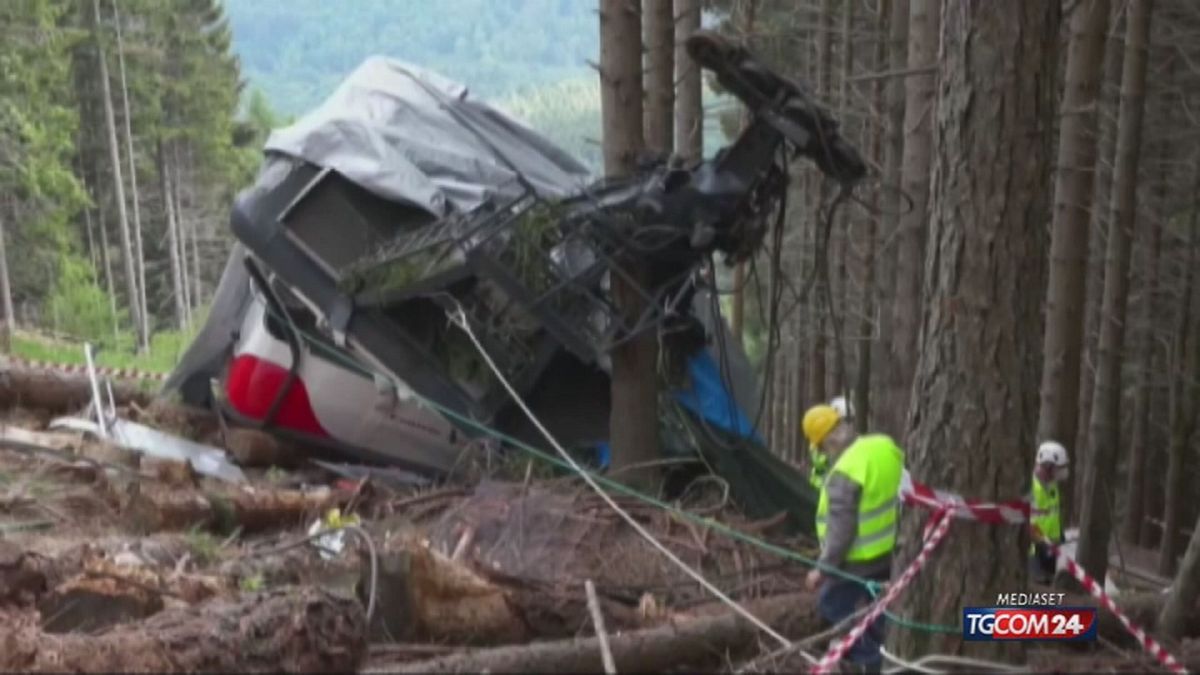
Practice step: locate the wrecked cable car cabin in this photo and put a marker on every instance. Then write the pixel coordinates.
(402, 207)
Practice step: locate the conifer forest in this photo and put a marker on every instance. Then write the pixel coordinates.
(582, 335)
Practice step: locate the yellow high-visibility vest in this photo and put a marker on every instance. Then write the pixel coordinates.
(876, 463)
(1045, 512)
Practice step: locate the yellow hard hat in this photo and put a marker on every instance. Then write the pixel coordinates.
(818, 421)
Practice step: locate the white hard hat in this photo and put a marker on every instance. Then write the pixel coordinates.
(839, 404)
(1052, 452)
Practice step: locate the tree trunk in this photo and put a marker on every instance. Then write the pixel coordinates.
(143, 331)
(1185, 400)
(862, 387)
(818, 366)
(689, 108)
(10, 319)
(747, 10)
(292, 630)
(1097, 242)
(153, 507)
(114, 155)
(1144, 350)
(60, 393)
(181, 233)
(975, 396)
(1174, 621)
(840, 384)
(633, 427)
(1058, 417)
(1099, 481)
(177, 287)
(919, 108)
(109, 282)
(659, 19)
(679, 643)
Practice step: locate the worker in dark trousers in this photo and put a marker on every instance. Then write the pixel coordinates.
(857, 516)
(1050, 469)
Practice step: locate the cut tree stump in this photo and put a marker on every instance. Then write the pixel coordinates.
(297, 629)
(423, 595)
(152, 507)
(684, 642)
(56, 392)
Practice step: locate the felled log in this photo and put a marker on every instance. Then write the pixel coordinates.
(681, 643)
(150, 507)
(290, 630)
(57, 392)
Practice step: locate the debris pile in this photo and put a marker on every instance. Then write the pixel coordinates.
(116, 559)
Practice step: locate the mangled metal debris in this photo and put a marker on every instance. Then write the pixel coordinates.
(402, 198)
(143, 439)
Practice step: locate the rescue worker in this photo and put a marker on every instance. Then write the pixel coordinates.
(1050, 469)
(818, 462)
(856, 520)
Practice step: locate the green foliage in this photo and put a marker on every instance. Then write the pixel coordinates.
(567, 112)
(117, 352)
(79, 306)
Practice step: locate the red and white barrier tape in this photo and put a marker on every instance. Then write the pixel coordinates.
(78, 369)
(946, 506)
(940, 524)
(1097, 590)
(1018, 512)
(1015, 511)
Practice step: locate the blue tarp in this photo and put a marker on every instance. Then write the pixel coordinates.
(708, 398)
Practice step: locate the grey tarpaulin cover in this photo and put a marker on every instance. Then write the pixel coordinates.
(404, 133)
(411, 135)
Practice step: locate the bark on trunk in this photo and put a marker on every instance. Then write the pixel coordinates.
(1185, 406)
(1099, 482)
(840, 383)
(893, 19)
(654, 649)
(1097, 241)
(1074, 179)
(290, 630)
(143, 331)
(866, 324)
(689, 111)
(1145, 348)
(919, 108)
(659, 20)
(114, 155)
(633, 427)
(975, 392)
(818, 365)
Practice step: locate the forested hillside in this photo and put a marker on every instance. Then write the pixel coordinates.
(119, 152)
(298, 50)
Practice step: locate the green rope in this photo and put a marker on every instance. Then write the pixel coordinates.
(871, 585)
